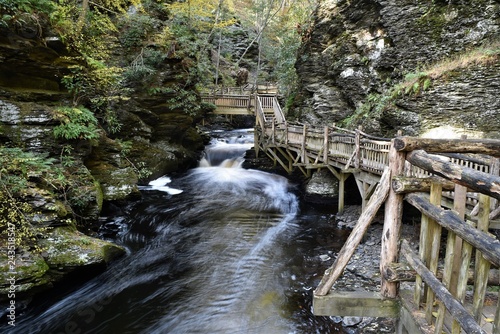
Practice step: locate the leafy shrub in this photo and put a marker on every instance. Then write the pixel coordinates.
(10, 9)
(14, 224)
(136, 29)
(19, 170)
(76, 123)
(19, 166)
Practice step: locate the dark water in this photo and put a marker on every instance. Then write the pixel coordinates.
(221, 249)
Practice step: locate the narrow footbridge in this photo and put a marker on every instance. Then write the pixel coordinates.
(448, 279)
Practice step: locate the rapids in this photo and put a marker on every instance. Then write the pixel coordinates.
(220, 249)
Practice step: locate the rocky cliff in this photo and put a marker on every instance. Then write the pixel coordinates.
(51, 186)
(424, 67)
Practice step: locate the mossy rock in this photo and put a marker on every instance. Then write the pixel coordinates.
(67, 249)
(116, 183)
(29, 271)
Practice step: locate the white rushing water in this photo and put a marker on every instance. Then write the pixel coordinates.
(206, 258)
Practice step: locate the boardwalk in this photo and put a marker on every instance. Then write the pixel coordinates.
(453, 183)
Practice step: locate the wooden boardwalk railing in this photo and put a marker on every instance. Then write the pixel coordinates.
(455, 185)
(462, 184)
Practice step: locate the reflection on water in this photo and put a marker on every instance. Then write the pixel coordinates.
(214, 251)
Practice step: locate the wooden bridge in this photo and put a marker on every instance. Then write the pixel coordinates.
(241, 100)
(452, 277)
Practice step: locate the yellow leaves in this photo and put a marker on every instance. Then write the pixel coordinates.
(204, 14)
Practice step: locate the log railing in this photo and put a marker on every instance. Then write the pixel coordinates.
(463, 189)
(443, 302)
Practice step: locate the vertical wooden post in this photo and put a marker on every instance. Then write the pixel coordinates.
(357, 156)
(452, 257)
(343, 177)
(434, 242)
(325, 144)
(256, 137)
(286, 134)
(392, 224)
(273, 138)
(303, 146)
(465, 254)
(482, 265)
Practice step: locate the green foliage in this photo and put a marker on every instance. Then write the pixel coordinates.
(140, 168)
(136, 29)
(18, 167)
(374, 106)
(15, 228)
(11, 10)
(179, 99)
(21, 170)
(76, 123)
(202, 15)
(92, 80)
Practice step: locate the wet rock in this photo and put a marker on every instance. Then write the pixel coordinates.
(67, 249)
(30, 272)
(351, 321)
(28, 125)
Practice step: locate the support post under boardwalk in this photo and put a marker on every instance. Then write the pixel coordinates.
(334, 272)
(392, 224)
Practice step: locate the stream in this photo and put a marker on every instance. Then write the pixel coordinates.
(219, 249)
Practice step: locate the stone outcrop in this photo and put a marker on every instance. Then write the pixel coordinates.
(358, 51)
(65, 250)
(153, 139)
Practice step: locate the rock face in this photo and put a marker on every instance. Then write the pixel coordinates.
(358, 51)
(153, 139)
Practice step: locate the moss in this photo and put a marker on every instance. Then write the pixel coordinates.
(68, 248)
(99, 194)
(31, 271)
(433, 21)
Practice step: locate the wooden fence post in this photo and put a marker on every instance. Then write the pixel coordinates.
(392, 224)
(303, 146)
(325, 144)
(357, 154)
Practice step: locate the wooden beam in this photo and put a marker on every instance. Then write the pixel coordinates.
(483, 146)
(376, 201)
(456, 309)
(481, 182)
(487, 244)
(392, 224)
(355, 304)
(401, 272)
(404, 185)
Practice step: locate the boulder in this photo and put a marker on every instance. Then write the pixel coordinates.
(66, 249)
(323, 187)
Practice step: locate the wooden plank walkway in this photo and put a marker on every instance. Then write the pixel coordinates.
(455, 184)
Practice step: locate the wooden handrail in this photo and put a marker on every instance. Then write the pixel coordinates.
(457, 170)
